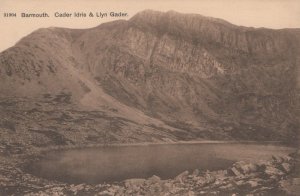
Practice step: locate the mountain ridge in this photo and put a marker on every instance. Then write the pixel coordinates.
(204, 76)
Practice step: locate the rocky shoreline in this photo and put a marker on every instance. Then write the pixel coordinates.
(273, 177)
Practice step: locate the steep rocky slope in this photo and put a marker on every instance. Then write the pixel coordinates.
(188, 75)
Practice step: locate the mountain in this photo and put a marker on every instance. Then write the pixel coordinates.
(158, 76)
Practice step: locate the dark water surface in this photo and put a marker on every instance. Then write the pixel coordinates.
(117, 163)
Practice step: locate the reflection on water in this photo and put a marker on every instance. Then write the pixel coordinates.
(117, 163)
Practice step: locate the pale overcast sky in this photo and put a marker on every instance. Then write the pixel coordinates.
(256, 13)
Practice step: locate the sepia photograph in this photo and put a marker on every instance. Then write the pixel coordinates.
(149, 97)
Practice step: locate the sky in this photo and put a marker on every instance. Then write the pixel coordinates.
(274, 14)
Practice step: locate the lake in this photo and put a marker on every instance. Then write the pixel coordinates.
(117, 163)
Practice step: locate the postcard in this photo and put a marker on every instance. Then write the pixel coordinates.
(149, 97)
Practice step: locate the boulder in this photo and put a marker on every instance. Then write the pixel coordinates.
(105, 193)
(253, 183)
(240, 183)
(249, 168)
(286, 167)
(155, 189)
(77, 188)
(181, 177)
(115, 189)
(196, 172)
(134, 182)
(168, 186)
(235, 171)
(200, 180)
(277, 159)
(153, 179)
(218, 182)
(270, 170)
(227, 187)
(112, 190)
(245, 168)
(222, 173)
(239, 164)
(286, 158)
(209, 178)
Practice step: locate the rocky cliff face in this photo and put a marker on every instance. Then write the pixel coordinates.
(202, 75)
